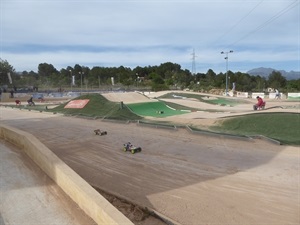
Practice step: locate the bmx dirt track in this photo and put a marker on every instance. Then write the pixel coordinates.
(191, 179)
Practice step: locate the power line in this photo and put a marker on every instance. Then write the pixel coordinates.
(276, 16)
(228, 31)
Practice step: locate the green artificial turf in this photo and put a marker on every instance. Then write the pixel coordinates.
(98, 106)
(154, 109)
(284, 127)
(205, 98)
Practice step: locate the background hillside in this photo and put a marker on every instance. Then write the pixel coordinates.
(265, 72)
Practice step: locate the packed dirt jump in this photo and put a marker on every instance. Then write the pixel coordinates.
(185, 178)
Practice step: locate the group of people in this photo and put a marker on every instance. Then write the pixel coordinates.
(29, 101)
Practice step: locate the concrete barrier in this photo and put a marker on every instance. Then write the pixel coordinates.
(293, 96)
(4, 97)
(242, 94)
(260, 94)
(87, 198)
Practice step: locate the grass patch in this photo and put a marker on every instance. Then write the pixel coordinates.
(225, 101)
(283, 127)
(205, 98)
(182, 107)
(98, 106)
(178, 107)
(154, 109)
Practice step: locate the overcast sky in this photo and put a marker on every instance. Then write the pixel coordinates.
(261, 33)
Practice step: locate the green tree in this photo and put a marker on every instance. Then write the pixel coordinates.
(28, 79)
(293, 86)
(5, 69)
(210, 77)
(158, 83)
(220, 81)
(244, 82)
(47, 75)
(166, 70)
(45, 69)
(276, 80)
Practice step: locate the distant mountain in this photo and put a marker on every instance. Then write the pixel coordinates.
(265, 72)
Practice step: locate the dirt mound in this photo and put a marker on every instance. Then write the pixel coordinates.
(127, 97)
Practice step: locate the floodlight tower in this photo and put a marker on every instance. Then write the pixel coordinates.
(226, 58)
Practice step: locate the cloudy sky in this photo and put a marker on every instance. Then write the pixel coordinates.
(113, 33)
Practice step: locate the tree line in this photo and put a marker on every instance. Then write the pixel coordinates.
(166, 76)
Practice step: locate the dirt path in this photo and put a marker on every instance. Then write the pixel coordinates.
(192, 179)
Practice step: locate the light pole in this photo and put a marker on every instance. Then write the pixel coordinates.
(81, 73)
(137, 77)
(226, 58)
(71, 80)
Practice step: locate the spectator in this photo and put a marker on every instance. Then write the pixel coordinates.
(12, 93)
(31, 102)
(18, 102)
(277, 95)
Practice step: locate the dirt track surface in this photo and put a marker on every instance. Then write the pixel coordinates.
(192, 179)
(127, 97)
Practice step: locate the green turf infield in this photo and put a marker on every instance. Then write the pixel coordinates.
(205, 98)
(154, 109)
(98, 106)
(283, 127)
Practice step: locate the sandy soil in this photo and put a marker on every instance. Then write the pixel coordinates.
(127, 97)
(190, 178)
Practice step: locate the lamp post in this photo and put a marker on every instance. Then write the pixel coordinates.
(226, 58)
(137, 77)
(81, 73)
(71, 80)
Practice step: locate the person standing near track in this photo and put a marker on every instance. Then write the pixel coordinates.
(277, 95)
(31, 102)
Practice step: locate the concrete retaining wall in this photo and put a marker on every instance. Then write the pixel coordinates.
(260, 94)
(295, 96)
(242, 94)
(88, 199)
